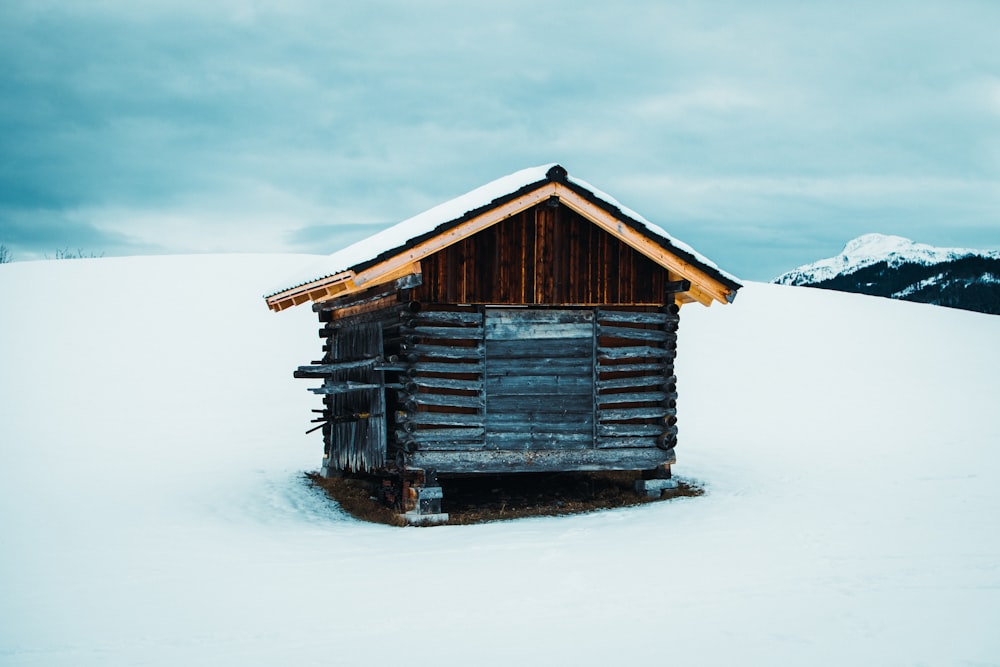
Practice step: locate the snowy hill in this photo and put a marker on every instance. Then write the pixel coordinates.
(153, 510)
(898, 268)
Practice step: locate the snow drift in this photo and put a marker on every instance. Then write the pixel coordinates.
(153, 508)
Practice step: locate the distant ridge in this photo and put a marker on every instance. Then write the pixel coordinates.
(897, 268)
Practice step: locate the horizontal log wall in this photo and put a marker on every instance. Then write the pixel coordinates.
(474, 388)
(441, 403)
(506, 389)
(636, 388)
(546, 256)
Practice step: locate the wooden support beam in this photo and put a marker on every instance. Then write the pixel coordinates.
(323, 370)
(395, 366)
(349, 386)
(287, 298)
(675, 286)
(684, 298)
(701, 296)
(356, 297)
(343, 387)
(530, 460)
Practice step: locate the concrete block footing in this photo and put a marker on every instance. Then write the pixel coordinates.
(654, 488)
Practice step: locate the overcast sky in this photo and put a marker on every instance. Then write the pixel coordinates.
(765, 134)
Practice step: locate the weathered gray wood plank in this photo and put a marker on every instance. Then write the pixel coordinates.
(536, 324)
(545, 385)
(447, 317)
(446, 333)
(625, 441)
(447, 351)
(425, 381)
(441, 419)
(632, 351)
(540, 421)
(554, 365)
(564, 403)
(538, 440)
(618, 430)
(632, 397)
(634, 381)
(621, 414)
(550, 348)
(443, 435)
(500, 461)
(634, 334)
(536, 331)
(322, 370)
(475, 444)
(656, 367)
(553, 316)
(447, 400)
(632, 317)
(343, 387)
(441, 367)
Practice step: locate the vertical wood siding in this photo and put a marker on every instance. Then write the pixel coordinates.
(546, 256)
(355, 433)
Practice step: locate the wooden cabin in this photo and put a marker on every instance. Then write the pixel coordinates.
(529, 325)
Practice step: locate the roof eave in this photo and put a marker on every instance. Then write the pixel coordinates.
(711, 283)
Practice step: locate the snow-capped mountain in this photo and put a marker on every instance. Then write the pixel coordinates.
(898, 268)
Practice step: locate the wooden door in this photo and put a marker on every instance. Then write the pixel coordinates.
(539, 378)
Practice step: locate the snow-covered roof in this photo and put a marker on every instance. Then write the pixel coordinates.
(397, 235)
(345, 264)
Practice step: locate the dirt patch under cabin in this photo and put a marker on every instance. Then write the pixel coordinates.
(483, 498)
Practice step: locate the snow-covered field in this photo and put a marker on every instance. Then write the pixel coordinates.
(152, 508)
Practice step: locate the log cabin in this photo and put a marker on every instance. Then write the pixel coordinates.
(529, 325)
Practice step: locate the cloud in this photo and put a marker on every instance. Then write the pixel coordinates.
(182, 126)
